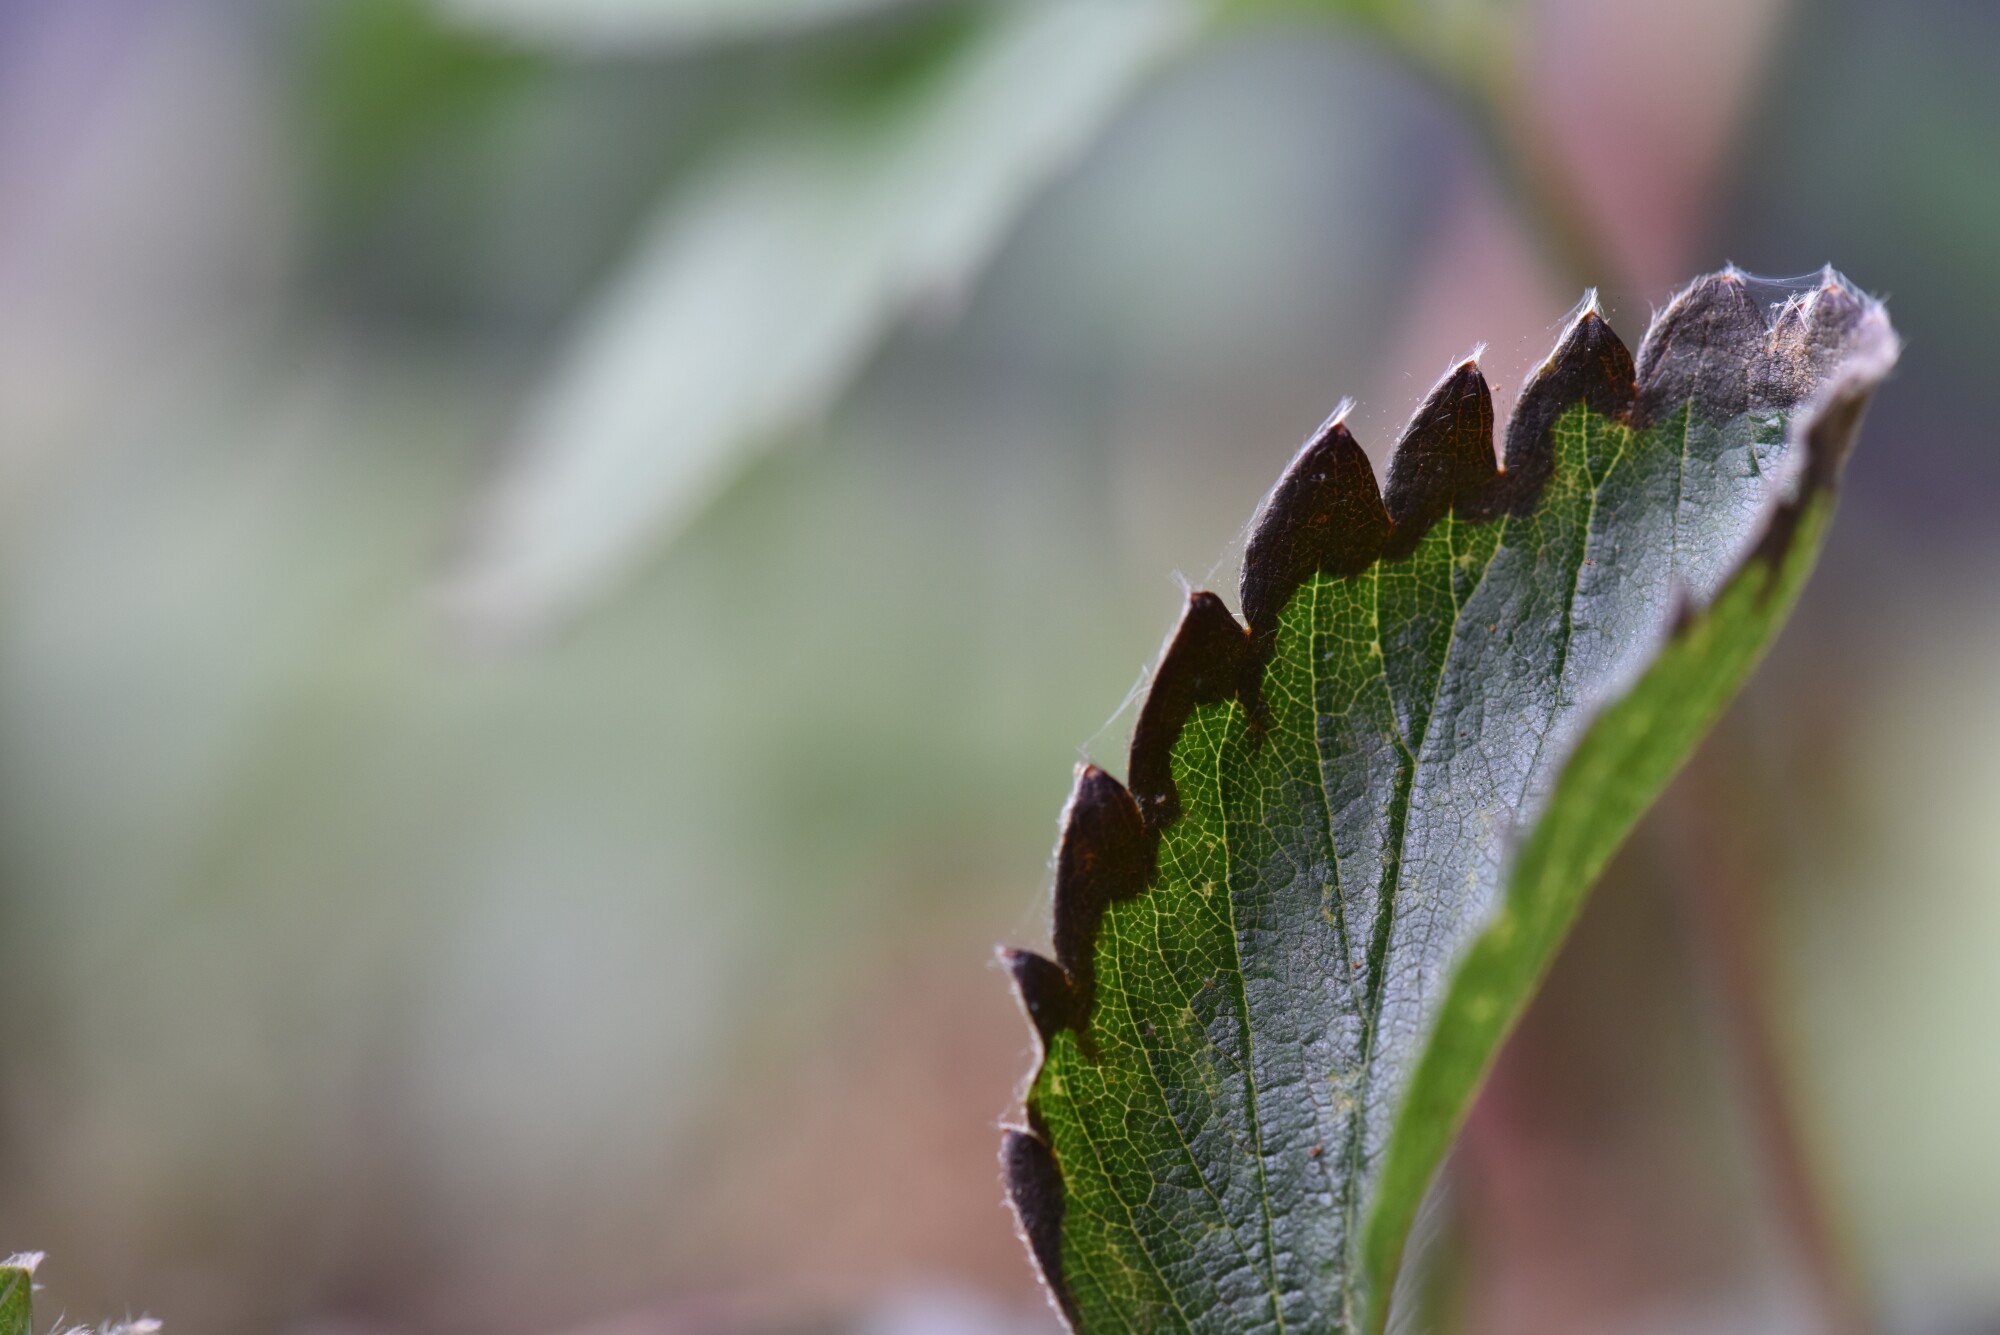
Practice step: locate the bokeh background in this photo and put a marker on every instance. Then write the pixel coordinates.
(556, 555)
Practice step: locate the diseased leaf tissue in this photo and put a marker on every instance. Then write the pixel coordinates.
(1355, 829)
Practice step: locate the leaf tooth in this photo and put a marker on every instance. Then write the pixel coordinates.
(1589, 365)
(1838, 314)
(1035, 1190)
(1701, 348)
(1045, 993)
(1793, 321)
(1796, 351)
(1203, 664)
(1834, 356)
(1444, 458)
(1325, 514)
(1102, 858)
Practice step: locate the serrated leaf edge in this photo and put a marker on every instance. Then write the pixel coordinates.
(1327, 514)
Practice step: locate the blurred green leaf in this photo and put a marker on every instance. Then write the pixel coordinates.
(621, 25)
(1453, 38)
(764, 284)
(1358, 830)
(387, 79)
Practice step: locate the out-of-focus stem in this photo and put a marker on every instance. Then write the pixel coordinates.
(1722, 879)
(1478, 66)
(1470, 53)
(1537, 180)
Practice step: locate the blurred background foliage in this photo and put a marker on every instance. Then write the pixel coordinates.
(553, 557)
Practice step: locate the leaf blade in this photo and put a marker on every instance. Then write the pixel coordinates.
(1334, 803)
(763, 286)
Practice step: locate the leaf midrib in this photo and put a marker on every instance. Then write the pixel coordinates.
(1568, 635)
(1346, 1184)
(1399, 812)
(1235, 708)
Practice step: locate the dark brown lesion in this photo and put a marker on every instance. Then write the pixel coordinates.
(1700, 352)
(1720, 350)
(1325, 515)
(1103, 858)
(1035, 1190)
(1047, 995)
(1444, 460)
(1203, 665)
(1815, 357)
(1590, 366)
(1811, 335)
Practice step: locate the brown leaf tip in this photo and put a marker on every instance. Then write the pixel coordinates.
(1590, 365)
(1102, 858)
(1731, 342)
(1203, 664)
(1044, 992)
(1828, 348)
(1325, 514)
(1444, 459)
(1700, 349)
(1035, 1191)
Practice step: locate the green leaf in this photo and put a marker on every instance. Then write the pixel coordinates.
(1358, 828)
(764, 285)
(17, 1285)
(620, 24)
(385, 82)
